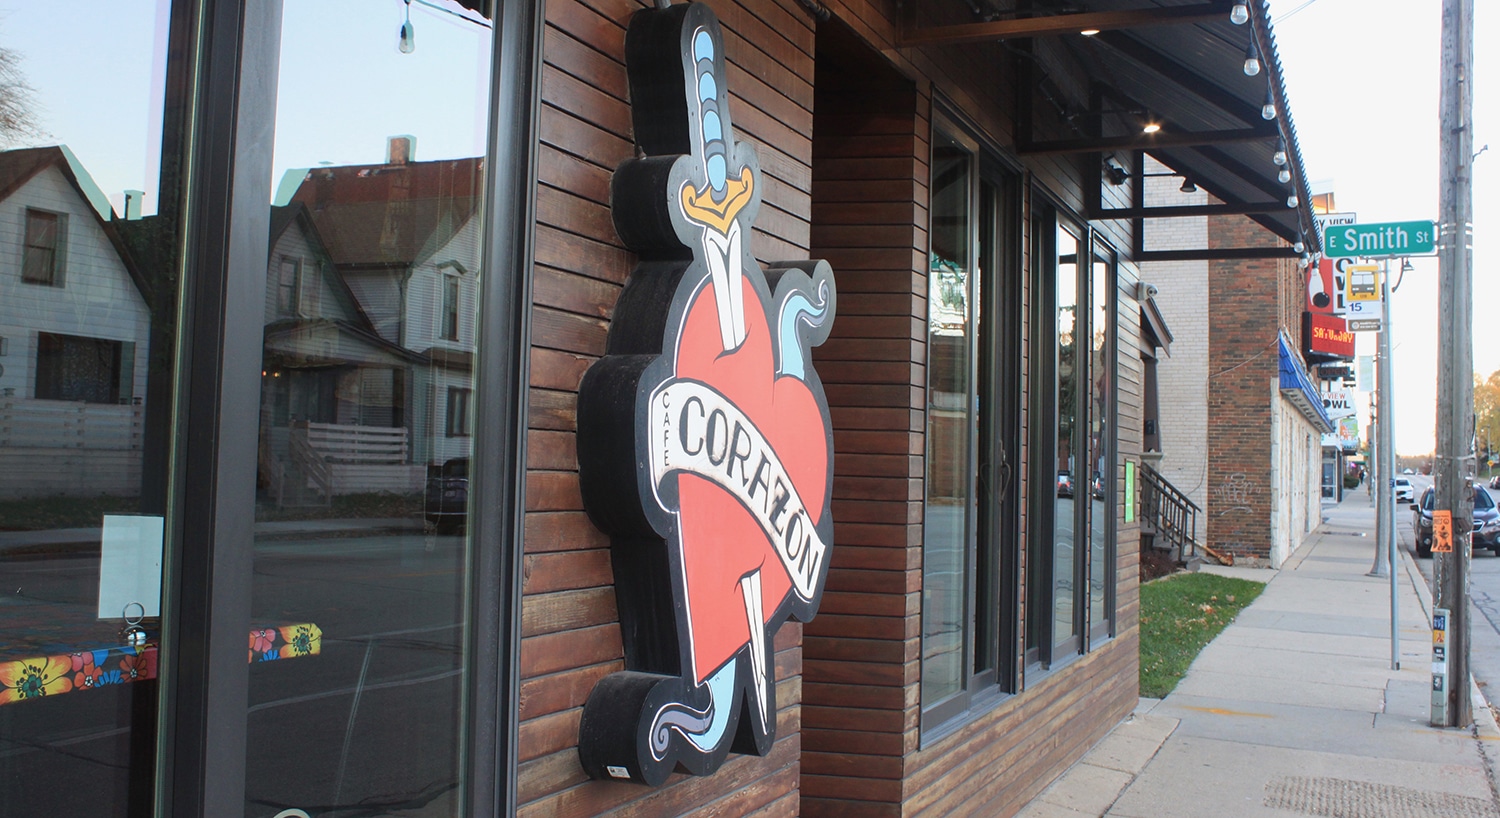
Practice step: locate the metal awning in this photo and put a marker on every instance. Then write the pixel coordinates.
(1299, 389)
(1176, 64)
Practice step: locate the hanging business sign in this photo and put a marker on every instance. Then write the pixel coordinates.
(1338, 403)
(704, 441)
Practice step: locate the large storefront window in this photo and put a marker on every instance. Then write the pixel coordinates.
(367, 375)
(968, 470)
(90, 212)
(1070, 574)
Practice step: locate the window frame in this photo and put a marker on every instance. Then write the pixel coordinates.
(1103, 630)
(56, 269)
(989, 672)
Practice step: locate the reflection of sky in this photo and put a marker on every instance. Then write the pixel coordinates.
(97, 89)
(438, 93)
(344, 86)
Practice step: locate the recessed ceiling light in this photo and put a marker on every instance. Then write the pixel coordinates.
(1089, 32)
(1150, 127)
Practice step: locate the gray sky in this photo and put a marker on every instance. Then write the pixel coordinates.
(1362, 80)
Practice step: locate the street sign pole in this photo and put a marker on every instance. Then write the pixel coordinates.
(1455, 415)
(1388, 458)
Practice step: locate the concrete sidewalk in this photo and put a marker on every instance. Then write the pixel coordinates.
(1294, 709)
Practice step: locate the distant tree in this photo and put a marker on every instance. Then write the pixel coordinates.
(18, 106)
(1487, 413)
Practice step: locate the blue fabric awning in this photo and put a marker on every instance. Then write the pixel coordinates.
(1298, 388)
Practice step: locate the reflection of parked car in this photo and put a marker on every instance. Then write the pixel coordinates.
(1495, 482)
(1407, 471)
(447, 498)
(1064, 484)
(1404, 491)
(1096, 486)
(1486, 522)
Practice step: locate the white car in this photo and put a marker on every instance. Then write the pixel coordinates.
(1404, 492)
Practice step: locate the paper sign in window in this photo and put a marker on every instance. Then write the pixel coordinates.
(130, 566)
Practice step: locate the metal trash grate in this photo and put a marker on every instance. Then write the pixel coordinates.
(1346, 798)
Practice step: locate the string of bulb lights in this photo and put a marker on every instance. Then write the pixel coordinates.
(1239, 14)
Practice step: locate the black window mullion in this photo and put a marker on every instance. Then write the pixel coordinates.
(206, 587)
(497, 474)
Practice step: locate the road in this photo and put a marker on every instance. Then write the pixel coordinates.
(369, 726)
(1484, 593)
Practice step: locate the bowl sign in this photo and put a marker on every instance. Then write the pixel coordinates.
(1382, 240)
(705, 449)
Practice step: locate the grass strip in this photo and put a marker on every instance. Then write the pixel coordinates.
(1180, 615)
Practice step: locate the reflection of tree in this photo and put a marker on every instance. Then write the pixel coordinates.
(17, 102)
(1067, 381)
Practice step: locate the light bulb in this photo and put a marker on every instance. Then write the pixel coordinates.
(1252, 61)
(1239, 14)
(1298, 248)
(1284, 176)
(1279, 157)
(1268, 111)
(1150, 127)
(1316, 295)
(1291, 201)
(408, 42)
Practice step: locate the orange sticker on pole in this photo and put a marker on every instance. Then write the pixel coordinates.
(1442, 531)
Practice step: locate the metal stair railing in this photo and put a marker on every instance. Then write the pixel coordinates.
(1171, 515)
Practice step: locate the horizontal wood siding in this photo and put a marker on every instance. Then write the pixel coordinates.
(863, 747)
(570, 625)
(869, 220)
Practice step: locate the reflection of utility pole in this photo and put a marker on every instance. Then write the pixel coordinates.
(1455, 416)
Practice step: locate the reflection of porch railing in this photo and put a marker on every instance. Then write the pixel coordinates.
(356, 444)
(315, 472)
(56, 447)
(1168, 517)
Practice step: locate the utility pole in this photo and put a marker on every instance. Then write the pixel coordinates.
(1455, 416)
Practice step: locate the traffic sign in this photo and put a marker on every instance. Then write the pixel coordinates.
(1382, 240)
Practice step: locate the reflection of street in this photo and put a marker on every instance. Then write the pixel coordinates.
(322, 729)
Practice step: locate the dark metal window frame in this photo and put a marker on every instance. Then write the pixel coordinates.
(992, 551)
(203, 696)
(1046, 654)
(1102, 631)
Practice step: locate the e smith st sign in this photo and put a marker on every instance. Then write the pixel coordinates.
(1417, 238)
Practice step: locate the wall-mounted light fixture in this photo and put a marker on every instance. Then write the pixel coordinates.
(1239, 13)
(1114, 172)
(1188, 186)
(1252, 59)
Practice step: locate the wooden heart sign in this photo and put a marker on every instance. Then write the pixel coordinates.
(704, 443)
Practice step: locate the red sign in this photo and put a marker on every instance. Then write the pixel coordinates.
(1326, 336)
(705, 446)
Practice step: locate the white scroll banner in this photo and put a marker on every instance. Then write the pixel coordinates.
(700, 431)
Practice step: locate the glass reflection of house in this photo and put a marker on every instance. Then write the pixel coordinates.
(74, 333)
(334, 406)
(369, 311)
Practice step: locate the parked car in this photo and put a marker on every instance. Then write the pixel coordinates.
(1495, 482)
(1486, 522)
(1064, 484)
(447, 497)
(1404, 491)
(1407, 471)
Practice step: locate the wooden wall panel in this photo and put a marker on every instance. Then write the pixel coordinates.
(570, 631)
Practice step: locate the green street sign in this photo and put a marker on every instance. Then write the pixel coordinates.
(1380, 240)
